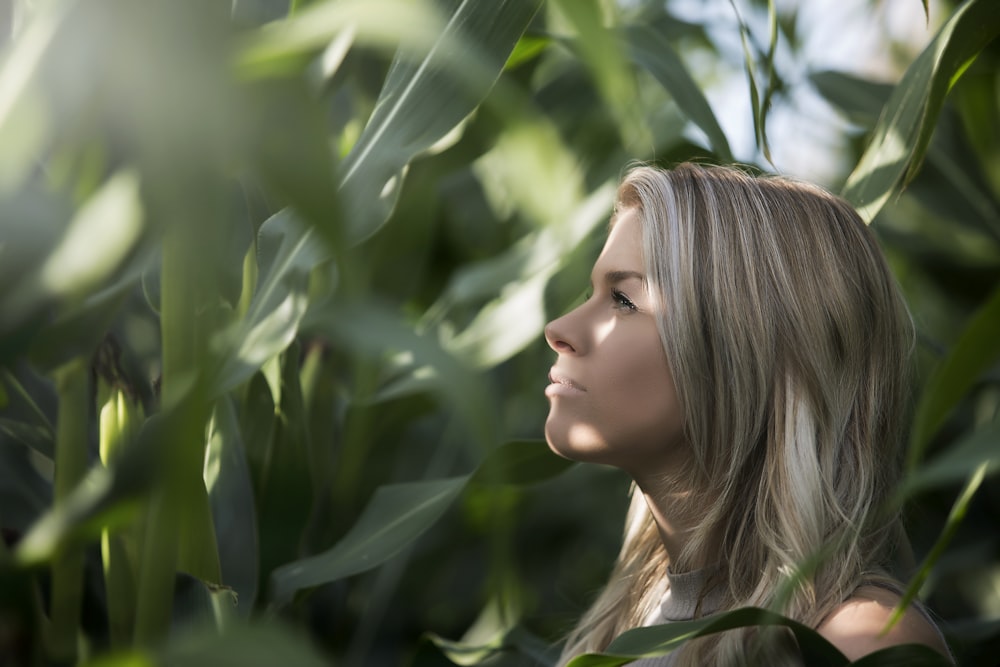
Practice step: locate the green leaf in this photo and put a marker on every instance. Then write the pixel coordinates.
(904, 655)
(400, 513)
(105, 497)
(602, 51)
(520, 462)
(291, 152)
(375, 330)
(975, 350)
(395, 517)
(955, 518)
(758, 104)
(48, 263)
(26, 120)
(24, 494)
(662, 639)
(285, 494)
(286, 45)
(951, 183)
(230, 492)
(957, 462)
(239, 645)
(515, 318)
(901, 137)
(288, 251)
(862, 100)
(657, 55)
(262, 644)
(422, 101)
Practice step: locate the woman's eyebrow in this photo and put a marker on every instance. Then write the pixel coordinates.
(613, 277)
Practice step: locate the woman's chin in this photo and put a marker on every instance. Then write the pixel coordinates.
(571, 443)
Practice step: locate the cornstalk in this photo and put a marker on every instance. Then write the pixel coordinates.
(179, 534)
(118, 423)
(72, 387)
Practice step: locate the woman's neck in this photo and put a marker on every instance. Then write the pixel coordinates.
(678, 515)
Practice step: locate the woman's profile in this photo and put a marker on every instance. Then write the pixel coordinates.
(743, 356)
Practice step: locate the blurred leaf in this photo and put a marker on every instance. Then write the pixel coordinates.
(74, 269)
(284, 45)
(422, 101)
(661, 639)
(230, 491)
(862, 100)
(655, 53)
(239, 645)
(506, 325)
(520, 462)
(396, 515)
(961, 459)
(400, 513)
(975, 350)
(22, 642)
(375, 330)
(25, 119)
(93, 505)
(291, 150)
(904, 130)
(24, 419)
(905, 655)
(602, 51)
(516, 317)
(105, 497)
(287, 253)
(496, 630)
(758, 105)
(198, 603)
(285, 493)
(24, 494)
(951, 184)
(526, 50)
(955, 518)
(530, 169)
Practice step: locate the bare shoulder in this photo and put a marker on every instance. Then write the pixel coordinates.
(855, 627)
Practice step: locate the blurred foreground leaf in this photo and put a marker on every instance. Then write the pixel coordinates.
(655, 53)
(975, 350)
(240, 644)
(400, 513)
(422, 101)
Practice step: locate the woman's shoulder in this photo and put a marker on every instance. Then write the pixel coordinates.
(856, 625)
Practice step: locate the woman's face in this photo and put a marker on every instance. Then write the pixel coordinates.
(612, 397)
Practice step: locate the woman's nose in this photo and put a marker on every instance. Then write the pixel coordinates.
(557, 335)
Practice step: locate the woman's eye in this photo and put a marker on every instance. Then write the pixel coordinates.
(622, 301)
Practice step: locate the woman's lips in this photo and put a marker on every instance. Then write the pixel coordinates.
(562, 385)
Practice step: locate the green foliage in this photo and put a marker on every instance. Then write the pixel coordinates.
(273, 276)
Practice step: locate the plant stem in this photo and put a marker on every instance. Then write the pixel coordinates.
(179, 533)
(72, 387)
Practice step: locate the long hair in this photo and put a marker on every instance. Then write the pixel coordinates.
(789, 345)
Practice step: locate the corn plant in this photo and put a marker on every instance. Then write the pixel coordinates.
(272, 280)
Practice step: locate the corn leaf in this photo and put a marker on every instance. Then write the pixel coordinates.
(288, 251)
(398, 514)
(975, 350)
(231, 494)
(422, 101)
(904, 130)
(662, 639)
(654, 52)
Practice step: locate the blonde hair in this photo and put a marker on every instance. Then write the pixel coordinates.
(789, 343)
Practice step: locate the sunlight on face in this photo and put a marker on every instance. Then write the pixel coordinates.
(612, 397)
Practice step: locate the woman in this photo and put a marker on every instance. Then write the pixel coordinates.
(743, 356)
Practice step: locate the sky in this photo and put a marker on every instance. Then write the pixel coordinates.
(869, 38)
